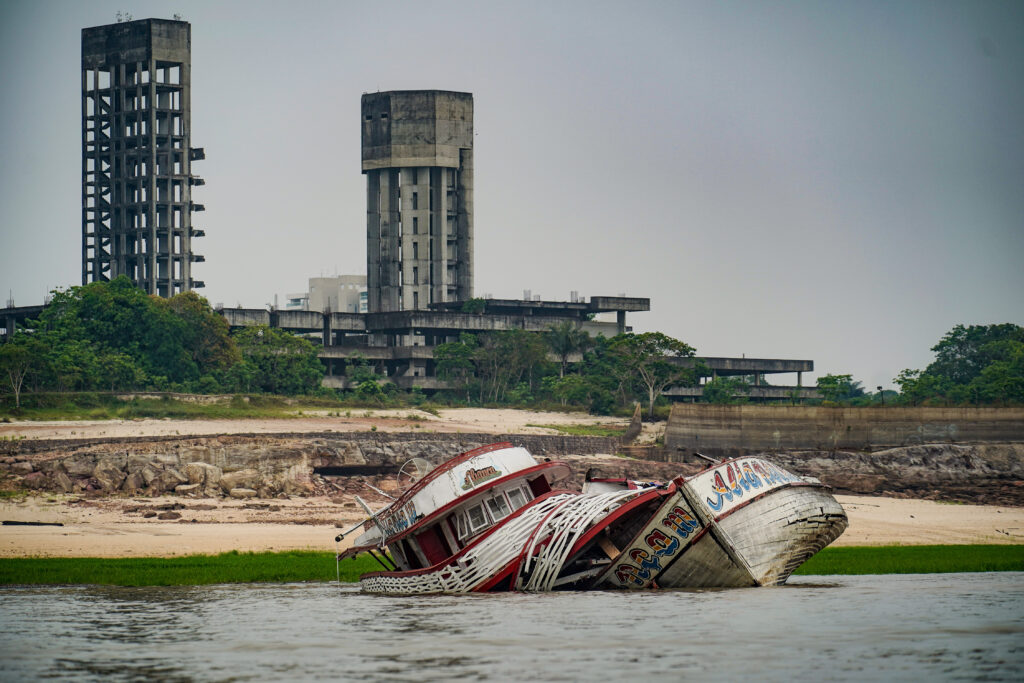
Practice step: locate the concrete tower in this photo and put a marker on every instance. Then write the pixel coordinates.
(418, 161)
(137, 155)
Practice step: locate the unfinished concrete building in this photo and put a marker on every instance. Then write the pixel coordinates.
(137, 155)
(417, 155)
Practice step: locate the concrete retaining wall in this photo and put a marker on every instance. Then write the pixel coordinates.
(733, 430)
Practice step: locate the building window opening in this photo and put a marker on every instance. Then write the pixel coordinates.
(415, 201)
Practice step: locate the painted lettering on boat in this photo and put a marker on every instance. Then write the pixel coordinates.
(477, 476)
(398, 520)
(681, 522)
(726, 486)
(657, 546)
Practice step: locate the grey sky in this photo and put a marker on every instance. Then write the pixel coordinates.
(838, 181)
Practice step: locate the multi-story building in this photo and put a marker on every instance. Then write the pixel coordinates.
(417, 155)
(339, 294)
(137, 155)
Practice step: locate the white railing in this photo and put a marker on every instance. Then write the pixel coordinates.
(479, 563)
(552, 526)
(560, 530)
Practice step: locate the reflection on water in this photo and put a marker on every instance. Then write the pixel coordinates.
(951, 627)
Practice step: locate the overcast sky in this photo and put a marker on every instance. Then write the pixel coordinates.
(834, 181)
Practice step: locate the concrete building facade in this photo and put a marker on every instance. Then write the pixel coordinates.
(417, 155)
(137, 155)
(339, 294)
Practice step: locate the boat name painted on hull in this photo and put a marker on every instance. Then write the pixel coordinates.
(725, 487)
(478, 476)
(399, 520)
(657, 545)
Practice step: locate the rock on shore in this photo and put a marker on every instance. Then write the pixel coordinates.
(269, 466)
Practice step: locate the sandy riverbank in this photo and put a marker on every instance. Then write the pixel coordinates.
(125, 527)
(117, 527)
(454, 420)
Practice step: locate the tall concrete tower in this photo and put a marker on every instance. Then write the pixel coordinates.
(418, 161)
(137, 155)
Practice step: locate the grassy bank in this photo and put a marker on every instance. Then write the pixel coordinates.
(916, 559)
(287, 567)
(191, 570)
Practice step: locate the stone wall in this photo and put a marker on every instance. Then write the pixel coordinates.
(245, 466)
(734, 430)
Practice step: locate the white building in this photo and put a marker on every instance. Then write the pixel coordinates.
(341, 294)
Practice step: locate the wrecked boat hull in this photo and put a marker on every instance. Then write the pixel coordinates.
(743, 522)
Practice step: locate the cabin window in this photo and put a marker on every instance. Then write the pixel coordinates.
(498, 507)
(477, 518)
(517, 498)
(460, 526)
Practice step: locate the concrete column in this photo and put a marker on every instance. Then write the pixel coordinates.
(373, 264)
(464, 225)
(620, 321)
(327, 328)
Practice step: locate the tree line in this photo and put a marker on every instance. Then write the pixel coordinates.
(979, 365)
(515, 366)
(112, 336)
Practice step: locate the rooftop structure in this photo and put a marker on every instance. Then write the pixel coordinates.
(137, 155)
(339, 294)
(417, 155)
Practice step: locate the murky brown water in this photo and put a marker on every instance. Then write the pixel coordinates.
(914, 627)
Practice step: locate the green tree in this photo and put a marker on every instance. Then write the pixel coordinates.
(564, 339)
(285, 363)
(476, 306)
(726, 391)
(453, 363)
(1002, 379)
(964, 352)
(838, 388)
(652, 358)
(504, 359)
(574, 389)
(207, 337)
(977, 364)
(16, 361)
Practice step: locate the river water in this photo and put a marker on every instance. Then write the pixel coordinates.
(910, 627)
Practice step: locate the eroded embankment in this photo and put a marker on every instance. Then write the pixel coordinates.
(988, 474)
(266, 466)
(249, 466)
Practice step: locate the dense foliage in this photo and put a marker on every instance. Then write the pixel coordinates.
(515, 367)
(977, 364)
(112, 336)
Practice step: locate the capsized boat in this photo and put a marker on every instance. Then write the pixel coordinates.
(495, 519)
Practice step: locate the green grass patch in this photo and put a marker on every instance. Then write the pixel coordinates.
(191, 570)
(585, 430)
(296, 566)
(916, 559)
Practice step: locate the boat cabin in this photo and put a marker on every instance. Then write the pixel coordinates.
(457, 502)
